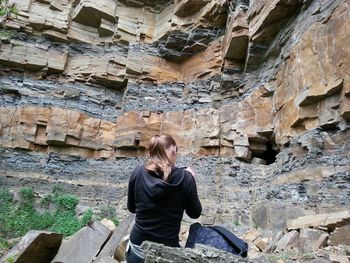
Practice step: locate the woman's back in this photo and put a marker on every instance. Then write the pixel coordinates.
(159, 205)
(159, 193)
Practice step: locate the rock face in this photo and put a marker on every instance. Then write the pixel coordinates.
(173, 50)
(239, 84)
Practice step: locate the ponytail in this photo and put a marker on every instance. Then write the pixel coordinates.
(160, 162)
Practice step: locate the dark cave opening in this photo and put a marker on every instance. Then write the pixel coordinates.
(270, 154)
(267, 151)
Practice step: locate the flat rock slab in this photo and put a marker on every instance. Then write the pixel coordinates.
(330, 220)
(111, 246)
(288, 240)
(83, 246)
(162, 254)
(35, 247)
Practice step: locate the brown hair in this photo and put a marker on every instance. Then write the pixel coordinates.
(161, 160)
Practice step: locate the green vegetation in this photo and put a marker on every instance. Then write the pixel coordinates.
(237, 223)
(57, 214)
(6, 8)
(19, 217)
(10, 260)
(7, 34)
(4, 245)
(108, 212)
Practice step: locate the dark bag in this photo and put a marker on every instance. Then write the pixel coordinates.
(218, 237)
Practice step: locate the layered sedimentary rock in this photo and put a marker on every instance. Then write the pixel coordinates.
(84, 85)
(200, 132)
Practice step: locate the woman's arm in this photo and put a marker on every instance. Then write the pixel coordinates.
(131, 193)
(193, 206)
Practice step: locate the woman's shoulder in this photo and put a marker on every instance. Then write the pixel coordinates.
(138, 170)
(184, 174)
(139, 167)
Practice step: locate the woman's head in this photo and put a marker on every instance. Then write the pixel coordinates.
(162, 150)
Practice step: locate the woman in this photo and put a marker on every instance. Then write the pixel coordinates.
(159, 193)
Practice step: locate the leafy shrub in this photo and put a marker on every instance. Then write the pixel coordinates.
(65, 223)
(86, 217)
(66, 202)
(46, 201)
(26, 196)
(17, 219)
(6, 8)
(5, 196)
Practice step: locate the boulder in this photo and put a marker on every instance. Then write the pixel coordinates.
(274, 216)
(35, 247)
(251, 235)
(242, 153)
(289, 240)
(84, 245)
(112, 244)
(261, 244)
(340, 236)
(203, 254)
(258, 161)
(109, 224)
(311, 239)
(321, 242)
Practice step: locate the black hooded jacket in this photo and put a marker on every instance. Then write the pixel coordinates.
(159, 205)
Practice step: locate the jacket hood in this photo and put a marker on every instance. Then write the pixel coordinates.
(156, 187)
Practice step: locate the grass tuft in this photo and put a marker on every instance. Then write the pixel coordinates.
(57, 214)
(18, 218)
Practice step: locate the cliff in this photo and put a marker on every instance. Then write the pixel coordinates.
(256, 93)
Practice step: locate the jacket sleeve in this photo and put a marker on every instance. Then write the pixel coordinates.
(193, 205)
(131, 192)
